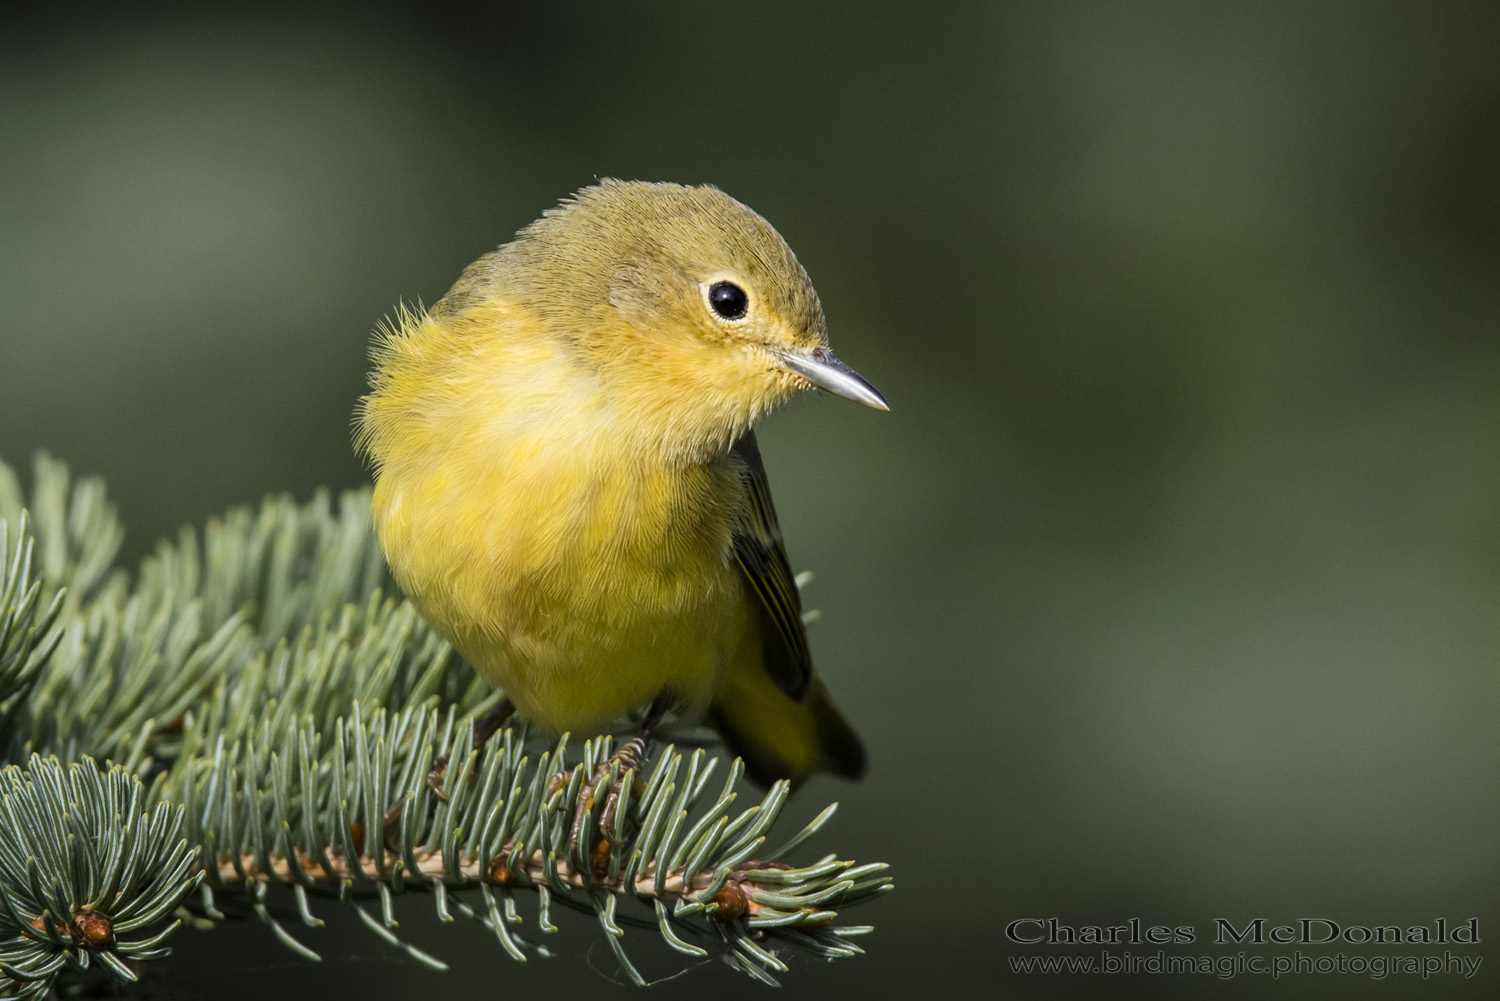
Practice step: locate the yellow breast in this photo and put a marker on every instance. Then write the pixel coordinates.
(579, 576)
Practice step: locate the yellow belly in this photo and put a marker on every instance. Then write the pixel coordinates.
(582, 587)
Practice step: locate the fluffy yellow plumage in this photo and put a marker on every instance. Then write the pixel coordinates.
(567, 485)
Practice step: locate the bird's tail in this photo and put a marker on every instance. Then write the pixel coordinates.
(782, 738)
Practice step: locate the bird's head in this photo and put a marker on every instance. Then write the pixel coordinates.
(688, 305)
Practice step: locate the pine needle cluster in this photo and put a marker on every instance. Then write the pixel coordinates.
(250, 714)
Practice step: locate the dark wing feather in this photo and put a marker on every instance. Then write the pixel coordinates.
(759, 551)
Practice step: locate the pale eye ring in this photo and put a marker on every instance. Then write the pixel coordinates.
(728, 300)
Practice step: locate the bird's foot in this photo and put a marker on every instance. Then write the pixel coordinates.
(628, 760)
(435, 776)
(625, 765)
(484, 728)
(437, 773)
(631, 758)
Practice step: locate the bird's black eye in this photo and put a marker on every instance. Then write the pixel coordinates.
(728, 300)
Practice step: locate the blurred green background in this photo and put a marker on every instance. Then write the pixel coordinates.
(1169, 589)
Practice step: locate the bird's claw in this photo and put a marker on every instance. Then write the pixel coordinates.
(626, 761)
(584, 806)
(435, 776)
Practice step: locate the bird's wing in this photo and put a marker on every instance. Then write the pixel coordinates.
(759, 551)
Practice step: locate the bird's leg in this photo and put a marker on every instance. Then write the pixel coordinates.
(490, 723)
(486, 727)
(630, 757)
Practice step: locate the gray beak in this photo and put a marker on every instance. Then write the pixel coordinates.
(825, 371)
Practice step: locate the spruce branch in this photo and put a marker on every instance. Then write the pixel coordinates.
(84, 861)
(27, 638)
(289, 713)
(76, 526)
(313, 811)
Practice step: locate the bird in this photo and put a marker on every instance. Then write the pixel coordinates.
(567, 482)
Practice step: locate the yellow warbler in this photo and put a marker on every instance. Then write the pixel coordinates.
(567, 484)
